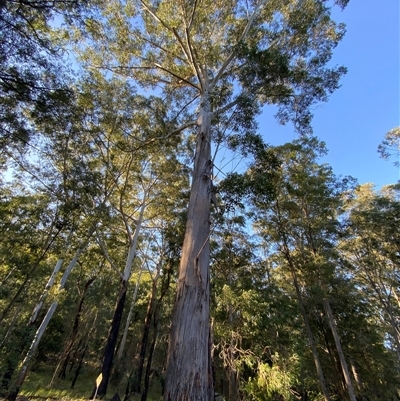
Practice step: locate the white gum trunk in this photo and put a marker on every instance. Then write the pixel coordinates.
(189, 358)
(43, 297)
(35, 343)
(40, 331)
(133, 245)
(68, 270)
(345, 370)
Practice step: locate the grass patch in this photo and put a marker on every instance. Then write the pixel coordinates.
(37, 387)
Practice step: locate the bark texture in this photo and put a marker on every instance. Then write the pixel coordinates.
(189, 374)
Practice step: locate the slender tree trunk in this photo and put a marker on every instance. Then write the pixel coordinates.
(310, 336)
(35, 343)
(359, 382)
(151, 351)
(65, 358)
(112, 337)
(128, 320)
(111, 341)
(26, 362)
(335, 362)
(86, 346)
(12, 325)
(164, 289)
(137, 379)
(189, 372)
(78, 369)
(231, 370)
(27, 278)
(343, 363)
(43, 297)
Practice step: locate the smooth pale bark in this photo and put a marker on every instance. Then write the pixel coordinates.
(35, 343)
(47, 288)
(345, 370)
(357, 379)
(189, 374)
(113, 332)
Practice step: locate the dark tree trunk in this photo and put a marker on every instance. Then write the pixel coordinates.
(68, 349)
(165, 287)
(112, 337)
(78, 369)
(137, 379)
(149, 360)
(136, 385)
(85, 341)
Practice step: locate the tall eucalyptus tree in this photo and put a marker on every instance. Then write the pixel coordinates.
(373, 250)
(302, 219)
(219, 62)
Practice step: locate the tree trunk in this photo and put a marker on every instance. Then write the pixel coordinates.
(111, 342)
(39, 333)
(86, 346)
(359, 383)
(26, 362)
(317, 361)
(137, 379)
(128, 319)
(112, 337)
(47, 288)
(164, 289)
(343, 363)
(150, 356)
(189, 373)
(27, 278)
(65, 358)
(292, 267)
(12, 325)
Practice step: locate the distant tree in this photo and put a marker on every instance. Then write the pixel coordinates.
(390, 146)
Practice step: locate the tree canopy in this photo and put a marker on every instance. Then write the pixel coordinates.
(127, 250)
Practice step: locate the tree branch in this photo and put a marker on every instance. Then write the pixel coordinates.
(230, 58)
(106, 255)
(176, 76)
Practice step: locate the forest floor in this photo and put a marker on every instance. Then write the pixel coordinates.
(37, 387)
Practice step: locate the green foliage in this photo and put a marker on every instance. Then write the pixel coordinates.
(391, 145)
(274, 382)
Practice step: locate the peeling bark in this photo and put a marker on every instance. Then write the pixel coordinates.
(189, 372)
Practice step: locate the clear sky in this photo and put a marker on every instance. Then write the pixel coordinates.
(357, 116)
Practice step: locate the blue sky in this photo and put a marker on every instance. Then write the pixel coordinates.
(357, 116)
